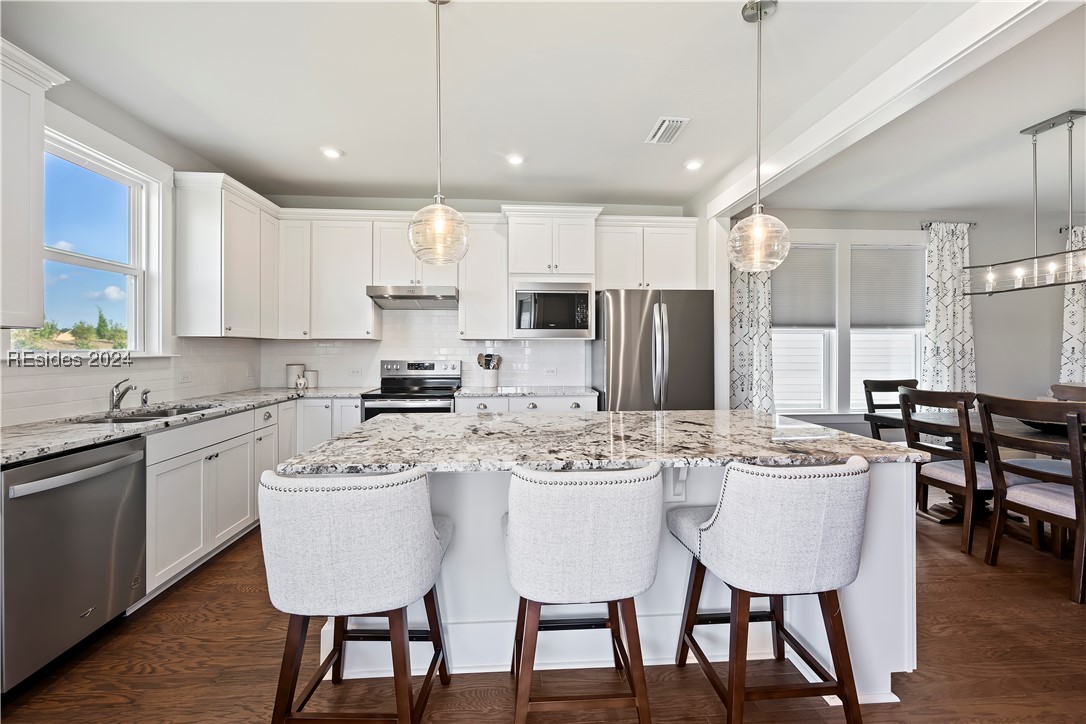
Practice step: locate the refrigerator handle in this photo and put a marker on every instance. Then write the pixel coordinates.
(657, 347)
(665, 355)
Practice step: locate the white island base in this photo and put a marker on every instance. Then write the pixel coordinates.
(479, 607)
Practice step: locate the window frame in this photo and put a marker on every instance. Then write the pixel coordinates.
(838, 358)
(829, 382)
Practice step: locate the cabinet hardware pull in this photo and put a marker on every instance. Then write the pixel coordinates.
(326, 407)
(639, 284)
(304, 332)
(461, 331)
(228, 329)
(267, 415)
(259, 439)
(357, 406)
(532, 405)
(575, 406)
(367, 331)
(548, 266)
(481, 406)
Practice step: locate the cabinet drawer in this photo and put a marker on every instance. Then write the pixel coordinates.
(552, 404)
(267, 416)
(482, 404)
(177, 441)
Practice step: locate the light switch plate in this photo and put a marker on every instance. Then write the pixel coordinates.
(550, 371)
(184, 377)
(354, 371)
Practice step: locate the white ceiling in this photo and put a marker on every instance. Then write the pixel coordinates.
(256, 87)
(962, 149)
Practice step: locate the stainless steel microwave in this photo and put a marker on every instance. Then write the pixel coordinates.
(553, 311)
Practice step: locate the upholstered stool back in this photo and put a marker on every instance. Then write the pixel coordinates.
(338, 546)
(787, 530)
(583, 536)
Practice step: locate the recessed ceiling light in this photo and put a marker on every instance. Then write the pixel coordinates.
(331, 152)
(693, 164)
(515, 159)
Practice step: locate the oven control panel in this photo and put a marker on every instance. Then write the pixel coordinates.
(420, 368)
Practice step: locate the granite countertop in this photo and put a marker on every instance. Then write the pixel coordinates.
(20, 443)
(585, 441)
(526, 392)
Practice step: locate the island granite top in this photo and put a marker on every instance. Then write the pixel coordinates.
(443, 442)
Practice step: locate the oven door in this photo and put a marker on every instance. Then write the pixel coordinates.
(373, 408)
(553, 313)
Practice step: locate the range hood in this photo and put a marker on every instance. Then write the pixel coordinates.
(414, 297)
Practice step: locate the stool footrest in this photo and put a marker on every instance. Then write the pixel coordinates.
(382, 634)
(717, 617)
(573, 624)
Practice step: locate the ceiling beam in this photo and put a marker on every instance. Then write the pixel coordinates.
(978, 35)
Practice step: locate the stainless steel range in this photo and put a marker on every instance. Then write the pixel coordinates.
(409, 386)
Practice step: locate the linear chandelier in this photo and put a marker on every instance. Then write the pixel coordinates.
(1040, 270)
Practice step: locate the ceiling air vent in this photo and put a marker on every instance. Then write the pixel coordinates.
(666, 130)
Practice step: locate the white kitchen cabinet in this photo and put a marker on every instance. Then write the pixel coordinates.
(288, 435)
(646, 253)
(341, 265)
(346, 415)
(294, 279)
(314, 422)
(572, 403)
(22, 136)
(484, 288)
(231, 489)
(395, 265)
(481, 404)
(177, 532)
(269, 276)
(265, 457)
(552, 239)
(217, 256)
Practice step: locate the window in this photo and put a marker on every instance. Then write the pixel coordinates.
(848, 305)
(94, 253)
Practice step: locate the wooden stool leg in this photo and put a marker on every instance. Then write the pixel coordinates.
(922, 496)
(1059, 542)
(401, 664)
(835, 632)
(737, 655)
(1036, 533)
(518, 637)
(437, 636)
(616, 632)
(968, 523)
(527, 662)
(1078, 565)
(339, 630)
(776, 607)
(995, 529)
(636, 673)
(297, 628)
(690, 609)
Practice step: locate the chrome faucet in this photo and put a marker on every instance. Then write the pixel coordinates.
(116, 394)
(145, 397)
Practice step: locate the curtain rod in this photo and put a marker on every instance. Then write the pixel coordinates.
(925, 225)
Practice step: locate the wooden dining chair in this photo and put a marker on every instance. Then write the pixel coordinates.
(871, 387)
(1053, 491)
(1069, 393)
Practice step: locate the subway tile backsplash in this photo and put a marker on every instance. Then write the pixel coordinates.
(431, 334)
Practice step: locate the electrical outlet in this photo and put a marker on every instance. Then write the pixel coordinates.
(184, 377)
(248, 371)
(550, 371)
(354, 371)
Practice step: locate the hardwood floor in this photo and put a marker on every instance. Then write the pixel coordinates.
(995, 645)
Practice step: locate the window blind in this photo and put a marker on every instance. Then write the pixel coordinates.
(887, 286)
(804, 288)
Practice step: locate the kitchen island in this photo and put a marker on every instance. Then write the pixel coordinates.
(469, 457)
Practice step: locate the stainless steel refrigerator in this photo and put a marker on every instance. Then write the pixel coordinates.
(653, 349)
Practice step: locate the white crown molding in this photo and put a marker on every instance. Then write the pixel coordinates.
(217, 182)
(377, 215)
(16, 59)
(552, 211)
(648, 221)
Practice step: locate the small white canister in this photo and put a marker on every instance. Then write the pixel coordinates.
(311, 379)
(490, 379)
(294, 371)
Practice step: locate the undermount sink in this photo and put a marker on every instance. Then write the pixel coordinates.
(147, 415)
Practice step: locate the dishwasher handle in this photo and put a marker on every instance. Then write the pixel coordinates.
(76, 476)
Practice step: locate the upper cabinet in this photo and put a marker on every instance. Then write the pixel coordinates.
(293, 302)
(395, 265)
(269, 276)
(219, 241)
(552, 239)
(484, 287)
(22, 126)
(646, 252)
(341, 265)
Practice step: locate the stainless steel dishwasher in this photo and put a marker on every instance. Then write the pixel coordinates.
(75, 550)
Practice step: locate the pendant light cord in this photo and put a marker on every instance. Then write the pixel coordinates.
(1035, 194)
(437, 32)
(758, 121)
(1070, 180)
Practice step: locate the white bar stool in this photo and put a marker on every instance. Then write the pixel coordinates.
(353, 546)
(776, 532)
(587, 536)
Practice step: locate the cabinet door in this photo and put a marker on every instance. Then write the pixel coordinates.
(481, 404)
(288, 436)
(346, 415)
(314, 422)
(231, 488)
(265, 457)
(176, 521)
(22, 295)
(433, 275)
(574, 246)
(269, 276)
(394, 264)
(572, 403)
(294, 280)
(484, 284)
(530, 242)
(342, 266)
(671, 258)
(618, 257)
(241, 267)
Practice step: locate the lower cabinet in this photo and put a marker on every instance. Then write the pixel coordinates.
(266, 456)
(540, 403)
(288, 430)
(481, 404)
(231, 486)
(346, 415)
(314, 422)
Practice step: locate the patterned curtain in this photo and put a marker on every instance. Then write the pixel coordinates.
(1073, 352)
(752, 342)
(949, 363)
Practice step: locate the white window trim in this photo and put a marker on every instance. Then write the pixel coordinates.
(829, 382)
(844, 240)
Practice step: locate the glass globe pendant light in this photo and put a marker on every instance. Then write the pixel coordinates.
(438, 233)
(759, 242)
